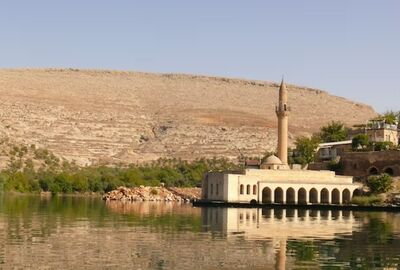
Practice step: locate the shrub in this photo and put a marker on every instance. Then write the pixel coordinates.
(360, 142)
(366, 200)
(334, 165)
(153, 192)
(381, 146)
(379, 184)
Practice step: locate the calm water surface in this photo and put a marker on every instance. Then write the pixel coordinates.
(86, 233)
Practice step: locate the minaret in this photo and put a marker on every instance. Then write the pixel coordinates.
(282, 111)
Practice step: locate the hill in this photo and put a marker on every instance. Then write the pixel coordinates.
(114, 116)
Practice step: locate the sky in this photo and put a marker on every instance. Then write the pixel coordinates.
(350, 48)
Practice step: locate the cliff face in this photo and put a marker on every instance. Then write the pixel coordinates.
(109, 117)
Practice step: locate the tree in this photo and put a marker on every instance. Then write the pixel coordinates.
(391, 117)
(306, 149)
(379, 184)
(360, 142)
(333, 132)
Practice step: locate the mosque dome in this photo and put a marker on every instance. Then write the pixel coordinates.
(273, 160)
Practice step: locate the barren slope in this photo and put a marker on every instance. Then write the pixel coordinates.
(109, 116)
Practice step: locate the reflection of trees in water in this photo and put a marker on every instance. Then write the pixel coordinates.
(374, 246)
(26, 215)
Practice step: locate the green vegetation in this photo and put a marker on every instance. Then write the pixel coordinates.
(360, 142)
(379, 183)
(382, 146)
(68, 178)
(366, 200)
(305, 150)
(335, 165)
(333, 132)
(391, 117)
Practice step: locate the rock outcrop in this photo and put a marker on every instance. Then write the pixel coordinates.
(143, 193)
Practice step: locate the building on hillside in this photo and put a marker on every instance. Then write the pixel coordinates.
(275, 181)
(332, 150)
(378, 131)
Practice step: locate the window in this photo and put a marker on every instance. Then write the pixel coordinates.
(241, 189)
(212, 189)
(248, 189)
(254, 190)
(216, 192)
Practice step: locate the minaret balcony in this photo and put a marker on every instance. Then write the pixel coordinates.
(282, 108)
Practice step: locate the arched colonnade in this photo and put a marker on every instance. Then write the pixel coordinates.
(305, 195)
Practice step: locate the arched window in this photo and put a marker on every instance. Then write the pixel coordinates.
(373, 171)
(254, 189)
(248, 189)
(241, 189)
(389, 171)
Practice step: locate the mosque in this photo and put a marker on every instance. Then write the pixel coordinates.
(275, 181)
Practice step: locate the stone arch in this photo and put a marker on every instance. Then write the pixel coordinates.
(313, 196)
(241, 189)
(248, 190)
(346, 196)
(278, 194)
(335, 196)
(324, 196)
(357, 192)
(373, 171)
(302, 196)
(290, 196)
(389, 171)
(266, 195)
(254, 189)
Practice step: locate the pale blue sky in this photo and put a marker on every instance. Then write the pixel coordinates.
(349, 48)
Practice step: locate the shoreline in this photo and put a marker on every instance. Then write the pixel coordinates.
(352, 207)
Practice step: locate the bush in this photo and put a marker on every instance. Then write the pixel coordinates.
(379, 184)
(381, 146)
(334, 165)
(360, 142)
(366, 200)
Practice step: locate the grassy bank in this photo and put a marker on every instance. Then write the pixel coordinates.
(72, 179)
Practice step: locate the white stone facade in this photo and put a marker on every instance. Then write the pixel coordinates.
(279, 186)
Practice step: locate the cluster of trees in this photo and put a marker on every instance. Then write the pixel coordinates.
(69, 179)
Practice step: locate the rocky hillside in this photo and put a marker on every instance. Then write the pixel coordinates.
(111, 117)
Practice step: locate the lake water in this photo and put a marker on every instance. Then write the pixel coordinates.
(87, 233)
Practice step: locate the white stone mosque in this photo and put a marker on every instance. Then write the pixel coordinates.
(275, 181)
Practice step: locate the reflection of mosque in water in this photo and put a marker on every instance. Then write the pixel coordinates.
(278, 226)
(278, 223)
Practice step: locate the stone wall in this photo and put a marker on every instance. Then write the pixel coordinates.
(363, 164)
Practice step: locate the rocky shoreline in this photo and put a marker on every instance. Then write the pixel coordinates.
(144, 193)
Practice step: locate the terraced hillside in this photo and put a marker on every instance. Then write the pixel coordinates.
(110, 116)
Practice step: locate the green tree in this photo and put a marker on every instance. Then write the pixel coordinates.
(360, 142)
(379, 184)
(391, 117)
(333, 132)
(306, 149)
